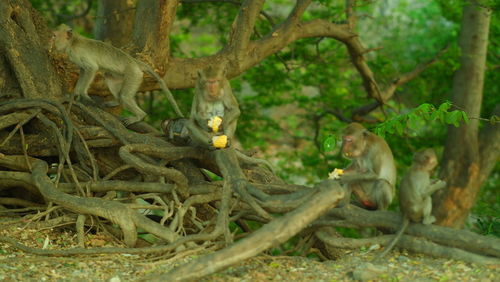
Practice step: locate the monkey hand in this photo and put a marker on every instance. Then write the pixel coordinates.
(220, 141)
(214, 124)
(336, 173)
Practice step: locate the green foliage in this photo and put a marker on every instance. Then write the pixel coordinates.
(415, 118)
(486, 211)
(329, 143)
(411, 122)
(62, 11)
(489, 226)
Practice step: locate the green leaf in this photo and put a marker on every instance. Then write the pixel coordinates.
(412, 122)
(465, 117)
(380, 131)
(434, 116)
(329, 143)
(425, 107)
(456, 116)
(400, 128)
(444, 107)
(494, 120)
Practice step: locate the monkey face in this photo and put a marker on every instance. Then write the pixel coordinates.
(214, 89)
(61, 39)
(354, 140)
(426, 159)
(352, 146)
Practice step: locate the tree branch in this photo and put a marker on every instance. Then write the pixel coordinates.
(404, 78)
(243, 27)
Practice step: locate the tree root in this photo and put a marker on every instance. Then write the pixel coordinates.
(440, 241)
(328, 194)
(102, 172)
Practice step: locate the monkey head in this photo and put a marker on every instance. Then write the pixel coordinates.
(176, 131)
(354, 138)
(425, 159)
(212, 82)
(61, 38)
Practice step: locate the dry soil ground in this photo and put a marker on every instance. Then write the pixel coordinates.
(19, 266)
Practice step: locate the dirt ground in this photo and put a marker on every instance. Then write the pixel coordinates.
(16, 265)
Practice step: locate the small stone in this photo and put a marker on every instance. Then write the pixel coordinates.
(115, 279)
(368, 271)
(403, 259)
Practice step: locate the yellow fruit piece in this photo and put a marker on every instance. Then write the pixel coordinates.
(336, 173)
(219, 141)
(214, 123)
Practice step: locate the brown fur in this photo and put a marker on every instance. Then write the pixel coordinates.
(123, 74)
(371, 176)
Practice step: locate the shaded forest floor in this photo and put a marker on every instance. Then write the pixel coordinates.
(19, 266)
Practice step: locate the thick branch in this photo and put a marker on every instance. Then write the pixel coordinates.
(463, 239)
(243, 27)
(411, 243)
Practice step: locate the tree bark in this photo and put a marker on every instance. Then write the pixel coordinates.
(115, 21)
(461, 160)
(152, 27)
(23, 47)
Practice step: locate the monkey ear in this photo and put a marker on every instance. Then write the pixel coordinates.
(365, 133)
(69, 34)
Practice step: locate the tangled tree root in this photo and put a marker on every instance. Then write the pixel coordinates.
(80, 165)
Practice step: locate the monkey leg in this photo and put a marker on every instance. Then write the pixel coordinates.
(428, 218)
(132, 80)
(114, 83)
(382, 194)
(373, 195)
(364, 195)
(84, 80)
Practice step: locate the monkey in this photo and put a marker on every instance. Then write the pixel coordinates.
(176, 131)
(415, 193)
(123, 73)
(215, 110)
(371, 175)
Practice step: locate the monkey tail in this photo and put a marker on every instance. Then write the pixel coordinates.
(389, 247)
(163, 87)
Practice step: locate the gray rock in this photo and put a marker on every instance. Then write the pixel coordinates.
(368, 271)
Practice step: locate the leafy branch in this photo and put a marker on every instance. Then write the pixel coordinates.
(411, 121)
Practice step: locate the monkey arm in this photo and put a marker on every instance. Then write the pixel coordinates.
(230, 116)
(198, 135)
(433, 187)
(354, 176)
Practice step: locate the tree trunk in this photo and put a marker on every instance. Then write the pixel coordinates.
(25, 60)
(115, 21)
(152, 27)
(461, 160)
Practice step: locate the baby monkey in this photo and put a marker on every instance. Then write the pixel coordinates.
(123, 73)
(415, 193)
